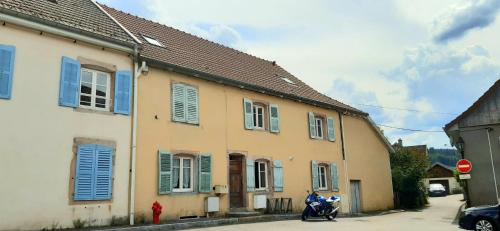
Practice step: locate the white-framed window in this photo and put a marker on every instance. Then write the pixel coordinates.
(258, 117)
(322, 176)
(319, 127)
(95, 90)
(182, 171)
(260, 175)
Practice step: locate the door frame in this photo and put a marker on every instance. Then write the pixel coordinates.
(244, 193)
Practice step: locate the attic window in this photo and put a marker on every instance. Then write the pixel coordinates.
(153, 41)
(287, 80)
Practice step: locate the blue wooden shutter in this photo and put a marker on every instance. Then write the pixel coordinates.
(103, 173)
(278, 176)
(331, 128)
(164, 172)
(178, 102)
(84, 177)
(205, 173)
(248, 112)
(335, 177)
(250, 175)
(69, 90)
(123, 92)
(192, 105)
(312, 125)
(314, 174)
(274, 120)
(7, 58)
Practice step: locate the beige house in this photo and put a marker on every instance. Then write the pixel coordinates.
(65, 87)
(223, 131)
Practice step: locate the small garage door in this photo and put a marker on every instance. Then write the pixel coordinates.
(445, 183)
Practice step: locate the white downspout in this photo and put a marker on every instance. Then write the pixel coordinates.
(137, 74)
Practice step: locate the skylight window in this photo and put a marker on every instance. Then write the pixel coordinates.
(153, 41)
(287, 80)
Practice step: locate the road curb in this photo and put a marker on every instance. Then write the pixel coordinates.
(206, 223)
(459, 212)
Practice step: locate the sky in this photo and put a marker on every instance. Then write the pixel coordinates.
(409, 64)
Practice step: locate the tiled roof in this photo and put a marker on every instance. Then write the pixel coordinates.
(81, 16)
(191, 52)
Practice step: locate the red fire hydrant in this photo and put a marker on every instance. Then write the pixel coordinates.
(156, 212)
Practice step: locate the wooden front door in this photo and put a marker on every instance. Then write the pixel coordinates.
(235, 181)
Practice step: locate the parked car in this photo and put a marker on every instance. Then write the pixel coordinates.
(484, 218)
(437, 190)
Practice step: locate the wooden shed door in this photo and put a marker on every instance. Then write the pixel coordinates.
(355, 197)
(235, 181)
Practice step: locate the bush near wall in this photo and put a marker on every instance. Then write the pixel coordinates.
(408, 171)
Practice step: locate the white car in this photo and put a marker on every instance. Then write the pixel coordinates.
(437, 190)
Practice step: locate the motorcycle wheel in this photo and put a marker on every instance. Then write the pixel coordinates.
(334, 215)
(304, 214)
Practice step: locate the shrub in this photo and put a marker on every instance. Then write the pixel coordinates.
(408, 171)
(78, 224)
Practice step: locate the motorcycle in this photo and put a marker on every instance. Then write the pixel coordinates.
(319, 206)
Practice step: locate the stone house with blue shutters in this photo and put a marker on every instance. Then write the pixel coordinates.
(66, 74)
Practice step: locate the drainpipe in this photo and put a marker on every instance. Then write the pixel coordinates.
(137, 73)
(344, 157)
(488, 130)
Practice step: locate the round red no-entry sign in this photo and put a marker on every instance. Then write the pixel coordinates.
(464, 166)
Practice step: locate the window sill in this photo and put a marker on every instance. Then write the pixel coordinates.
(261, 191)
(186, 123)
(87, 110)
(190, 193)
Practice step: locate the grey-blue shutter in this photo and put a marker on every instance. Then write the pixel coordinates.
(331, 128)
(103, 173)
(123, 92)
(250, 175)
(274, 120)
(335, 177)
(312, 125)
(84, 177)
(164, 172)
(248, 112)
(205, 173)
(314, 174)
(278, 176)
(192, 110)
(69, 89)
(7, 58)
(178, 102)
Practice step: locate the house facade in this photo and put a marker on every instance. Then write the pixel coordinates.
(476, 134)
(65, 87)
(442, 174)
(217, 123)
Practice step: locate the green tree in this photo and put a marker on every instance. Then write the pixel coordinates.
(408, 171)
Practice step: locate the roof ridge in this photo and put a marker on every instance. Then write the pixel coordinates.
(187, 33)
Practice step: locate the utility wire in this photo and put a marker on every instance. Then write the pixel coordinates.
(407, 129)
(405, 109)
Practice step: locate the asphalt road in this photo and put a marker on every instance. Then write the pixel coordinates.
(439, 217)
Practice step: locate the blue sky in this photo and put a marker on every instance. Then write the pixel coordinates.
(434, 57)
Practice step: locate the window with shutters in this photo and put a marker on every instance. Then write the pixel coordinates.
(182, 174)
(95, 90)
(318, 126)
(185, 103)
(261, 180)
(94, 170)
